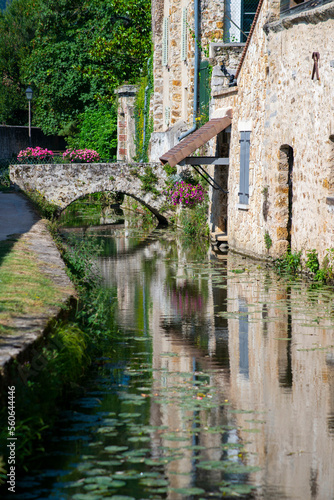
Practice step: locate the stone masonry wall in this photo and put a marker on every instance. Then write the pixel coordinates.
(299, 113)
(246, 226)
(290, 116)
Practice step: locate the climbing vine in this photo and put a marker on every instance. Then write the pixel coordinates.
(143, 120)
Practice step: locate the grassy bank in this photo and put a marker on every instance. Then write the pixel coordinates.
(25, 289)
(56, 366)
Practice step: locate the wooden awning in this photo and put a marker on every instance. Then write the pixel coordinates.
(197, 139)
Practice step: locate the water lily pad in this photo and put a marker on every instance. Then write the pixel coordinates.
(108, 463)
(106, 430)
(188, 491)
(158, 461)
(119, 497)
(136, 460)
(239, 489)
(175, 437)
(95, 472)
(126, 474)
(115, 449)
(86, 496)
(90, 487)
(139, 439)
(152, 482)
(129, 415)
(137, 453)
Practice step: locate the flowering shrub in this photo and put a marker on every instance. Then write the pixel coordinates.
(185, 194)
(37, 152)
(81, 155)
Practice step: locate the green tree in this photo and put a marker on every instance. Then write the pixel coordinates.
(82, 50)
(17, 30)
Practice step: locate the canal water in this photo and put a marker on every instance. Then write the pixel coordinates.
(220, 383)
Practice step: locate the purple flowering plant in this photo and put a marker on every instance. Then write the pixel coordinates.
(185, 194)
(38, 153)
(81, 155)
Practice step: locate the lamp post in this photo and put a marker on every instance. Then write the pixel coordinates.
(29, 94)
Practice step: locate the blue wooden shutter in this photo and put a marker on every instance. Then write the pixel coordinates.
(244, 168)
(165, 41)
(184, 35)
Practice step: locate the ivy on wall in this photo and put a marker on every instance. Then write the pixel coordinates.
(143, 120)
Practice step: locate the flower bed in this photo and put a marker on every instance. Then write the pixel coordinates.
(185, 194)
(39, 155)
(34, 153)
(81, 156)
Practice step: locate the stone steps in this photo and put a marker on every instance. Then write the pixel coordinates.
(219, 242)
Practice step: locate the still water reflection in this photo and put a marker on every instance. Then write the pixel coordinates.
(221, 384)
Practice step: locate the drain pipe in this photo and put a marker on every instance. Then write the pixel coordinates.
(196, 71)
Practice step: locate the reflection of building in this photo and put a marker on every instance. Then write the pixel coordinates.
(266, 355)
(277, 370)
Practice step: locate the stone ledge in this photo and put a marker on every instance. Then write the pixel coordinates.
(313, 15)
(225, 92)
(242, 206)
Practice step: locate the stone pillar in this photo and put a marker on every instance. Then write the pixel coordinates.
(126, 127)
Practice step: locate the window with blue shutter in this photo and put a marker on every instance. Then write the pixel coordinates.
(165, 36)
(184, 35)
(244, 168)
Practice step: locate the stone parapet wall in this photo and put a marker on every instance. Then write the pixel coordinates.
(62, 184)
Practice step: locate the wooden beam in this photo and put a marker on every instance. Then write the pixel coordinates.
(204, 160)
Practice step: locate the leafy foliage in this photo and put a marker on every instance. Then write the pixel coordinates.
(17, 30)
(73, 53)
(193, 221)
(290, 263)
(81, 52)
(312, 261)
(149, 180)
(144, 125)
(98, 130)
(267, 240)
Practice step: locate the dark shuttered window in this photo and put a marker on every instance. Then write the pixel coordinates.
(244, 168)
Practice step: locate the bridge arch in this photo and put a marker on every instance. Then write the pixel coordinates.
(62, 184)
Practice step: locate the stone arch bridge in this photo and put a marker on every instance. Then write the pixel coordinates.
(62, 184)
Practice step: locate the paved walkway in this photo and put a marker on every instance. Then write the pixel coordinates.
(16, 215)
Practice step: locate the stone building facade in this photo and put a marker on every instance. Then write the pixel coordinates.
(284, 101)
(175, 68)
